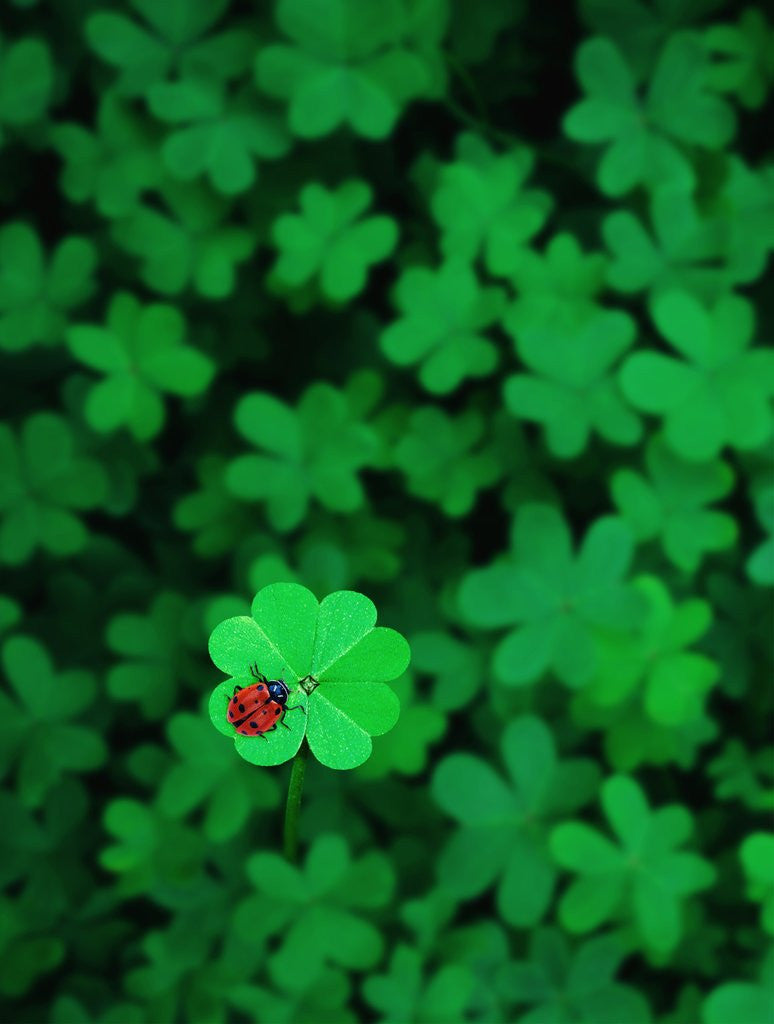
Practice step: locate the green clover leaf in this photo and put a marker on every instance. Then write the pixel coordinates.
(317, 911)
(572, 391)
(411, 991)
(743, 58)
(742, 1002)
(36, 294)
(572, 987)
(170, 40)
(218, 135)
(44, 482)
(190, 244)
(555, 601)
(458, 668)
(641, 877)
(338, 644)
(141, 352)
(331, 240)
(315, 451)
(743, 776)
(405, 748)
(26, 82)
(705, 252)
(504, 823)
(670, 504)
(481, 206)
(350, 63)
(760, 564)
(155, 659)
(757, 856)
(444, 459)
(720, 392)
(444, 314)
(113, 166)
(674, 682)
(43, 733)
(644, 135)
(210, 513)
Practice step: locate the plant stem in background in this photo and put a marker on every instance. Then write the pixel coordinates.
(295, 789)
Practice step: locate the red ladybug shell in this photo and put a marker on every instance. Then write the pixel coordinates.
(252, 712)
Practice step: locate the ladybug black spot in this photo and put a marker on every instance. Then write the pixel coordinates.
(253, 725)
(277, 711)
(234, 700)
(231, 714)
(242, 708)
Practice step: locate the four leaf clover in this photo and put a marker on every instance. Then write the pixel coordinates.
(334, 659)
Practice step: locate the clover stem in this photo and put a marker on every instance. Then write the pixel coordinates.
(293, 805)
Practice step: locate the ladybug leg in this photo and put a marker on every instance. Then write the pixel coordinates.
(295, 707)
(256, 674)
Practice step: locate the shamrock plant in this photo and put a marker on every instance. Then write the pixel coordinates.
(315, 451)
(336, 664)
(331, 240)
(346, 63)
(577, 986)
(555, 601)
(409, 991)
(642, 876)
(444, 315)
(645, 136)
(141, 352)
(36, 293)
(760, 564)
(44, 483)
(481, 206)
(504, 824)
(670, 504)
(757, 855)
(26, 82)
(216, 135)
(742, 58)
(720, 392)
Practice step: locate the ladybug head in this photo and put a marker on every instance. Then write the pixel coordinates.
(278, 691)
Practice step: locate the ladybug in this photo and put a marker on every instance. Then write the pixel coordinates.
(256, 709)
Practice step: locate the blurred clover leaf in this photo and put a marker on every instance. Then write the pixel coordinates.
(760, 564)
(555, 600)
(190, 244)
(218, 135)
(26, 82)
(314, 451)
(444, 459)
(172, 39)
(458, 667)
(207, 776)
(674, 681)
(36, 294)
(331, 239)
(704, 251)
(481, 206)
(644, 136)
(742, 58)
(741, 775)
(757, 856)
(572, 391)
(113, 166)
(444, 312)
(504, 824)
(142, 354)
(350, 661)
(720, 392)
(44, 482)
(641, 877)
(155, 661)
(405, 749)
(350, 63)
(316, 911)
(671, 504)
(572, 987)
(42, 730)
(409, 991)
(742, 1002)
(210, 513)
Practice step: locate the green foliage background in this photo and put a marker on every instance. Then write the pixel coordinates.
(460, 305)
